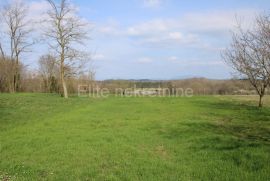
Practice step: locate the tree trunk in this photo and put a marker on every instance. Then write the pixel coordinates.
(16, 75)
(260, 101)
(65, 89)
(63, 81)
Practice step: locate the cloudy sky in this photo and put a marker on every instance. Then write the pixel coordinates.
(159, 39)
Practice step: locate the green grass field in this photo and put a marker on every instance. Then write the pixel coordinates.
(45, 137)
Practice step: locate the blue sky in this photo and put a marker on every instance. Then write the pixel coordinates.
(159, 39)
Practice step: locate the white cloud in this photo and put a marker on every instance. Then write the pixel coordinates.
(148, 27)
(173, 58)
(38, 9)
(152, 3)
(110, 28)
(98, 57)
(176, 36)
(38, 6)
(167, 39)
(160, 32)
(194, 29)
(144, 60)
(204, 30)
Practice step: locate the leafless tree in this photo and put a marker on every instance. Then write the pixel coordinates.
(16, 27)
(48, 70)
(67, 32)
(249, 54)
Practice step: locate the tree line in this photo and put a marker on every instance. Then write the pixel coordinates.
(63, 31)
(64, 64)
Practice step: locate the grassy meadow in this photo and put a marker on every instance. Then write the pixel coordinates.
(45, 137)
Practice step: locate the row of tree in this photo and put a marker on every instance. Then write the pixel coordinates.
(62, 30)
(200, 86)
(65, 34)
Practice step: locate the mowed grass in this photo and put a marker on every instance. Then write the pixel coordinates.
(44, 137)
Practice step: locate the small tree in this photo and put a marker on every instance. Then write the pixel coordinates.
(66, 32)
(249, 54)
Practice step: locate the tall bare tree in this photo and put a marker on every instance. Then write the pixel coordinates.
(67, 31)
(16, 27)
(249, 54)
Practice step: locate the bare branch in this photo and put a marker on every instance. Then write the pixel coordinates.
(249, 53)
(17, 33)
(67, 32)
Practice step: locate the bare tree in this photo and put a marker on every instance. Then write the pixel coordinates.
(16, 27)
(249, 54)
(49, 72)
(67, 33)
